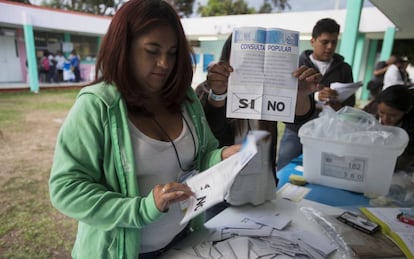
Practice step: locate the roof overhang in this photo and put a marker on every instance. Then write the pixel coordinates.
(373, 22)
(400, 12)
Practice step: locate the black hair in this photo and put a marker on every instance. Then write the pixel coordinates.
(325, 25)
(396, 96)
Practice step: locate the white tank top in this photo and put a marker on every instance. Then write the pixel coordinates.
(157, 164)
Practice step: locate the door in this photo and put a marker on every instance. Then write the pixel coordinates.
(10, 69)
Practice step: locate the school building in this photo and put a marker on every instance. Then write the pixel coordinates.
(27, 30)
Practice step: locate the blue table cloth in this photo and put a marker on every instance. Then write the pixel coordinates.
(323, 194)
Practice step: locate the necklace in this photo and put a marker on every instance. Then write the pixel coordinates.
(172, 142)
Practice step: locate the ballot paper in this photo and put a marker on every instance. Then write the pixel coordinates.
(261, 85)
(211, 186)
(293, 192)
(249, 232)
(282, 244)
(345, 90)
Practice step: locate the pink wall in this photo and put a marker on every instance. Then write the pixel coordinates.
(21, 48)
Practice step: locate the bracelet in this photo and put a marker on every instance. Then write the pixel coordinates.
(216, 97)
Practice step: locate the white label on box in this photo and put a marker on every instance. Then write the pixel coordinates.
(344, 167)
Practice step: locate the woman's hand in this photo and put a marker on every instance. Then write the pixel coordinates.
(308, 83)
(229, 151)
(217, 80)
(308, 80)
(167, 194)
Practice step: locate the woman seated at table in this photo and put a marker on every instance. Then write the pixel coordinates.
(394, 107)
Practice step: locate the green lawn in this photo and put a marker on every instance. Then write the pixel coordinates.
(30, 227)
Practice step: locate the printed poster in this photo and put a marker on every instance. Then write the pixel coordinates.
(261, 85)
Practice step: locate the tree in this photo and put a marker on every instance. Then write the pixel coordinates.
(99, 7)
(266, 7)
(280, 4)
(224, 7)
(109, 7)
(183, 7)
(228, 7)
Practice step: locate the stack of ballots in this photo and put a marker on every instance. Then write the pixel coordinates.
(257, 237)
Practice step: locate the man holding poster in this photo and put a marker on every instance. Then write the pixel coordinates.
(333, 68)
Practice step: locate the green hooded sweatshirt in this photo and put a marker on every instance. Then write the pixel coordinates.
(93, 175)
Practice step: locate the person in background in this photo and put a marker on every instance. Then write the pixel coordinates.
(131, 139)
(52, 70)
(60, 63)
(256, 183)
(74, 65)
(375, 85)
(404, 73)
(396, 73)
(44, 67)
(333, 69)
(394, 107)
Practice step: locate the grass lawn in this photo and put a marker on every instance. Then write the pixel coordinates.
(30, 227)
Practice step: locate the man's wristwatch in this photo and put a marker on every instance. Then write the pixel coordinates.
(216, 97)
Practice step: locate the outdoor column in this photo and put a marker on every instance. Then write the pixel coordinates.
(31, 53)
(369, 72)
(388, 43)
(349, 35)
(358, 57)
(358, 60)
(66, 43)
(98, 41)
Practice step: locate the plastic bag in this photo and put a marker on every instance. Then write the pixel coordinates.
(351, 125)
(353, 243)
(401, 192)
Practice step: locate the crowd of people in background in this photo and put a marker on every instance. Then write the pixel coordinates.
(324, 59)
(393, 71)
(56, 68)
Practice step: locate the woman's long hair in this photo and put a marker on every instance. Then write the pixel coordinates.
(132, 20)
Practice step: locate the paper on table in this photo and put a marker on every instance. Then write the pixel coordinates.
(320, 243)
(293, 192)
(240, 247)
(345, 90)
(210, 186)
(276, 221)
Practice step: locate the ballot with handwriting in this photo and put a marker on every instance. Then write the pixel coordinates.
(210, 187)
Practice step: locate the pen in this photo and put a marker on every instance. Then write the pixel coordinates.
(405, 218)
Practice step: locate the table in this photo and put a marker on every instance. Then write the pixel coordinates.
(323, 194)
(284, 207)
(323, 199)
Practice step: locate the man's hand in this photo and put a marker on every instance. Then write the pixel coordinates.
(327, 95)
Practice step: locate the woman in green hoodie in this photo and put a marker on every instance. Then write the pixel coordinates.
(131, 139)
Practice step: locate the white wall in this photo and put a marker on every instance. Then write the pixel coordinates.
(48, 18)
(10, 70)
